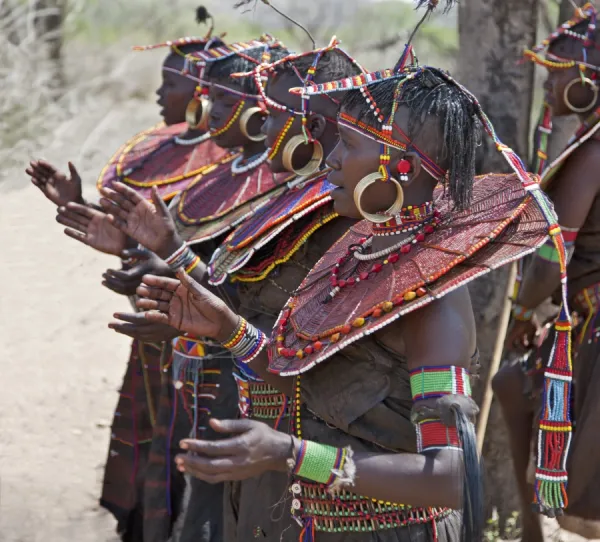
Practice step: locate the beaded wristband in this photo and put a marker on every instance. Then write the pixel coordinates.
(521, 313)
(432, 382)
(434, 435)
(183, 258)
(319, 462)
(246, 342)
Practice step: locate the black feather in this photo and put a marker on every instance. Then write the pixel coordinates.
(202, 15)
(433, 4)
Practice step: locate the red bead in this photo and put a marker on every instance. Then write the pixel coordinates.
(318, 345)
(347, 329)
(286, 313)
(364, 275)
(377, 313)
(420, 237)
(428, 229)
(309, 350)
(405, 249)
(377, 267)
(403, 167)
(421, 292)
(351, 281)
(341, 261)
(342, 283)
(398, 300)
(394, 258)
(335, 271)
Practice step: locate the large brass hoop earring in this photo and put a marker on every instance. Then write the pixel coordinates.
(198, 108)
(245, 119)
(396, 207)
(583, 82)
(315, 160)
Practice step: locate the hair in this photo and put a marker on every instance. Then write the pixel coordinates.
(428, 95)
(333, 65)
(222, 69)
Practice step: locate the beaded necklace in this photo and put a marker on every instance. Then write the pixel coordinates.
(254, 162)
(410, 219)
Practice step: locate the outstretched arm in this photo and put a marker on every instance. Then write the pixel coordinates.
(57, 186)
(191, 308)
(573, 192)
(151, 225)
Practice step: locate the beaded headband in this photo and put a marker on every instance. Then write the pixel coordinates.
(263, 70)
(585, 13)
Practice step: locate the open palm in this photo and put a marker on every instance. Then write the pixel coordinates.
(91, 227)
(58, 187)
(150, 224)
(187, 306)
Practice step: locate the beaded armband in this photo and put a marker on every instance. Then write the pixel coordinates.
(246, 342)
(522, 313)
(324, 464)
(434, 383)
(548, 251)
(183, 258)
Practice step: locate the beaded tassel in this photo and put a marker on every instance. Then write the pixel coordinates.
(543, 131)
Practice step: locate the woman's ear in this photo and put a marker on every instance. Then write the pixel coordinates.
(317, 124)
(406, 164)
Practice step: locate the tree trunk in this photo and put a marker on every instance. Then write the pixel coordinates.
(48, 22)
(493, 36)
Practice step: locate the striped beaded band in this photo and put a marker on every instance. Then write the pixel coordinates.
(435, 435)
(183, 258)
(432, 382)
(319, 462)
(521, 313)
(246, 342)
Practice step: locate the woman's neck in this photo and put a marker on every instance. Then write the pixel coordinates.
(253, 148)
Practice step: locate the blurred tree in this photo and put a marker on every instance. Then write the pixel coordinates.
(492, 37)
(48, 23)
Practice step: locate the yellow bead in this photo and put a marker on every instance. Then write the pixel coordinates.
(359, 322)
(409, 296)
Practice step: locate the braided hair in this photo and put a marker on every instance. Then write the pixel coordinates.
(428, 95)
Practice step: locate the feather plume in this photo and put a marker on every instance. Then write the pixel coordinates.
(202, 15)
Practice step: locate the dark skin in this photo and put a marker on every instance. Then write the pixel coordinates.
(574, 189)
(325, 132)
(422, 480)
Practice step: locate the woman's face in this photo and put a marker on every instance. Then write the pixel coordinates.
(175, 92)
(578, 95)
(278, 90)
(355, 157)
(224, 105)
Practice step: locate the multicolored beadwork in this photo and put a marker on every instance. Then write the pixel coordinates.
(183, 258)
(317, 462)
(434, 382)
(435, 435)
(246, 342)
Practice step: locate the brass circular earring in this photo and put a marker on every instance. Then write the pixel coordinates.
(197, 114)
(313, 165)
(396, 207)
(584, 82)
(245, 119)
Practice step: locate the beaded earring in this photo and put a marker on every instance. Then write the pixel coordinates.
(403, 168)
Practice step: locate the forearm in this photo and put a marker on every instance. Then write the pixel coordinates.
(426, 480)
(260, 365)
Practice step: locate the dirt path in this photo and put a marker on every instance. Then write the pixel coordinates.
(61, 365)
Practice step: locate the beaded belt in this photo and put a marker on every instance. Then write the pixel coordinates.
(588, 299)
(346, 512)
(260, 401)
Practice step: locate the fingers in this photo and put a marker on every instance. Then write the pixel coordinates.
(73, 224)
(156, 317)
(111, 208)
(74, 173)
(133, 274)
(83, 210)
(161, 282)
(68, 217)
(190, 283)
(131, 317)
(159, 203)
(118, 286)
(124, 196)
(131, 330)
(139, 253)
(152, 305)
(213, 471)
(77, 235)
(234, 427)
(214, 448)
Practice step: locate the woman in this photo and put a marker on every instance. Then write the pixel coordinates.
(212, 205)
(359, 329)
(168, 157)
(573, 63)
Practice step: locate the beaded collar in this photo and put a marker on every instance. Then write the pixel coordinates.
(156, 157)
(304, 196)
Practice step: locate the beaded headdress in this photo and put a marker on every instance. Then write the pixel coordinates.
(555, 427)
(264, 70)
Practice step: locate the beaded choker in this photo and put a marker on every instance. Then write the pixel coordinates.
(410, 219)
